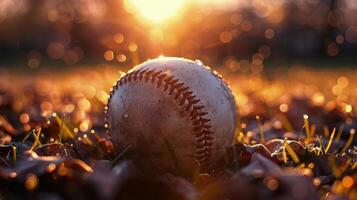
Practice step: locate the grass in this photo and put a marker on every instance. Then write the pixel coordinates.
(64, 132)
(349, 141)
(292, 153)
(261, 131)
(330, 140)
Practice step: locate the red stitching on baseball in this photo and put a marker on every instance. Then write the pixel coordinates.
(203, 135)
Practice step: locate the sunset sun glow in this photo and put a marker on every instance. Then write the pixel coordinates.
(155, 11)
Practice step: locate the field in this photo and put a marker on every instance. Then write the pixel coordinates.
(295, 138)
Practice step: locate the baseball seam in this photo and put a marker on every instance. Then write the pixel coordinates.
(201, 124)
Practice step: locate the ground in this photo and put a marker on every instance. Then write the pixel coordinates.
(294, 140)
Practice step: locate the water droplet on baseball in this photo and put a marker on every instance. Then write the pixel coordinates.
(199, 62)
(126, 115)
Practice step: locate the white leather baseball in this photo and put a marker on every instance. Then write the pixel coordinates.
(176, 114)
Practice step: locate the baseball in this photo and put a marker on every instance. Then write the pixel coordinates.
(176, 115)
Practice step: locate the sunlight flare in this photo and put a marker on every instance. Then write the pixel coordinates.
(155, 10)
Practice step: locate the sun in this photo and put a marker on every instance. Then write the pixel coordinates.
(155, 11)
